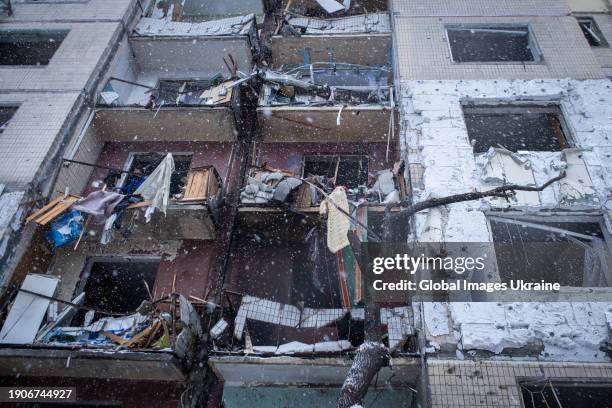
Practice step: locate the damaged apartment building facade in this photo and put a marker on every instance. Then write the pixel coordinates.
(175, 174)
(185, 205)
(497, 93)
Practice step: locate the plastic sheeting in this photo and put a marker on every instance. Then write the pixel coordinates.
(156, 188)
(65, 229)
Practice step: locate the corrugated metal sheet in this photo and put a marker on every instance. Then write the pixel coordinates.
(239, 25)
(366, 23)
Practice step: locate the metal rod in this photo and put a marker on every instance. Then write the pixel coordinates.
(101, 167)
(72, 304)
(131, 83)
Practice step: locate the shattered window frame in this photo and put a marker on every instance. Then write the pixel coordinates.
(547, 392)
(544, 219)
(85, 273)
(6, 115)
(165, 87)
(127, 167)
(591, 32)
(532, 45)
(507, 108)
(19, 40)
(331, 158)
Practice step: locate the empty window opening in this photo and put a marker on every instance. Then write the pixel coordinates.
(29, 47)
(577, 393)
(532, 128)
(6, 113)
(591, 32)
(143, 164)
(350, 171)
(492, 44)
(118, 286)
(569, 252)
(182, 92)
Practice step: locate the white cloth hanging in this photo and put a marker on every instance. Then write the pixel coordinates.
(156, 188)
(337, 223)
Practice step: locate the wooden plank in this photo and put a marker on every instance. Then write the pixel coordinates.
(213, 97)
(196, 185)
(189, 186)
(113, 337)
(138, 205)
(140, 336)
(45, 208)
(156, 327)
(62, 206)
(203, 188)
(193, 199)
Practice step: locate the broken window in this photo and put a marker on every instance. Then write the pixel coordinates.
(6, 113)
(118, 285)
(591, 32)
(182, 92)
(34, 47)
(492, 44)
(520, 127)
(578, 393)
(350, 171)
(143, 164)
(568, 250)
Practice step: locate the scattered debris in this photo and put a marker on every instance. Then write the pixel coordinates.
(365, 23)
(310, 191)
(28, 311)
(323, 84)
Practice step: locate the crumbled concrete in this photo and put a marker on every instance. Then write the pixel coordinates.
(436, 133)
(568, 331)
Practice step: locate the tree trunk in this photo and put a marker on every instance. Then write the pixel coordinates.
(370, 358)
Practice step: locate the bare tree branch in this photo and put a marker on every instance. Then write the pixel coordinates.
(372, 355)
(505, 191)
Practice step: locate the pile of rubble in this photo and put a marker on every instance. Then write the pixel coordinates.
(269, 186)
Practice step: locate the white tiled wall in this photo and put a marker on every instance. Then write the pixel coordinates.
(423, 51)
(34, 128)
